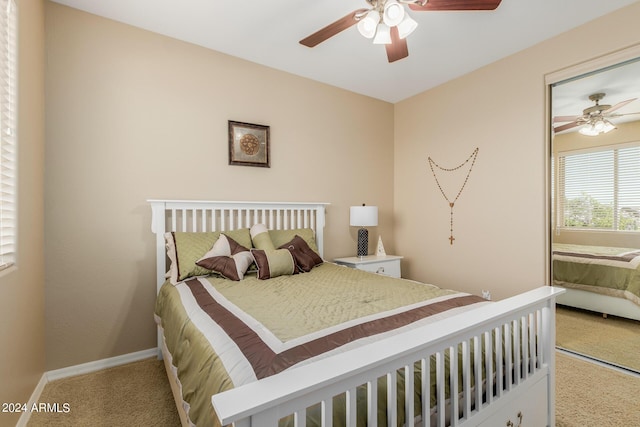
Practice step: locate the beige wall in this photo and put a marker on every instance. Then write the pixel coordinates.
(132, 115)
(625, 133)
(500, 222)
(22, 356)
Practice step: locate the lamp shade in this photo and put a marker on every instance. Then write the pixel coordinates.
(383, 34)
(363, 216)
(393, 13)
(406, 27)
(367, 25)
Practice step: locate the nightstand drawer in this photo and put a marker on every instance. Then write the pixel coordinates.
(388, 265)
(387, 268)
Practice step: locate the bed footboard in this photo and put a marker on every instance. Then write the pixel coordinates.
(510, 344)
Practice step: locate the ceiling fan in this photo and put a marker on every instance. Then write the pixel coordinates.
(388, 23)
(595, 118)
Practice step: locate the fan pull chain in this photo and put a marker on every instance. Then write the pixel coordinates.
(474, 156)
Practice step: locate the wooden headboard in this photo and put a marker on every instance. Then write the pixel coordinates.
(201, 216)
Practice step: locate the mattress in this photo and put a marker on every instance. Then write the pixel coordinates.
(223, 334)
(605, 270)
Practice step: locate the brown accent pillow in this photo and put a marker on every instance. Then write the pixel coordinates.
(227, 258)
(280, 237)
(304, 257)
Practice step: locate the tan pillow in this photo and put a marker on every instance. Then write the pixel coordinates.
(260, 238)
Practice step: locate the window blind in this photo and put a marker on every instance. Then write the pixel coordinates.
(600, 189)
(8, 112)
(629, 188)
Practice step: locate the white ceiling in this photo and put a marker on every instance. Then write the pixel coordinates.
(445, 45)
(618, 83)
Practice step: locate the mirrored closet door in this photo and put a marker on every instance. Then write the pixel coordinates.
(595, 209)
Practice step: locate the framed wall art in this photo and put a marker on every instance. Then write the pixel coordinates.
(249, 144)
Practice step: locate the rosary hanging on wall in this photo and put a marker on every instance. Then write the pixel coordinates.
(452, 203)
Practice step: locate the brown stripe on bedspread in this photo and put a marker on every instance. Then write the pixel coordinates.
(623, 258)
(266, 362)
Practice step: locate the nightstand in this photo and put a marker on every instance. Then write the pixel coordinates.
(388, 265)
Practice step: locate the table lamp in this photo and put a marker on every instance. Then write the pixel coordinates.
(363, 216)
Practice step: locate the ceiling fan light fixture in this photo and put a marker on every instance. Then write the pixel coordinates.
(393, 13)
(608, 127)
(597, 127)
(368, 24)
(406, 27)
(383, 34)
(589, 130)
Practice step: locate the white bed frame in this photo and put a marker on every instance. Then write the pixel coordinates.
(521, 386)
(599, 303)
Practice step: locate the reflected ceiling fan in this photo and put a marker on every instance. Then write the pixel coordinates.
(387, 22)
(595, 119)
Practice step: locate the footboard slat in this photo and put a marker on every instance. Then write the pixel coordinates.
(425, 378)
(499, 364)
(498, 347)
(466, 376)
(453, 387)
(488, 367)
(372, 403)
(440, 388)
(517, 360)
(392, 396)
(408, 394)
(351, 407)
(508, 356)
(327, 412)
(525, 346)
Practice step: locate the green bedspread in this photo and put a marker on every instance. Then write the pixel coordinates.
(605, 270)
(222, 334)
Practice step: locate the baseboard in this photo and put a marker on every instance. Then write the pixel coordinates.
(84, 368)
(98, 365)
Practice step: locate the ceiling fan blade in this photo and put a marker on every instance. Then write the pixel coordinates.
(616, 115)
(561, 119)
(457, 5)
(332, 29)
(398, 47)
(618, 106)
(567, 126)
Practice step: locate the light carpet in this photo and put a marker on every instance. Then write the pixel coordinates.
(612, 339)
(138, 394)
(135, 394)
(589, 395)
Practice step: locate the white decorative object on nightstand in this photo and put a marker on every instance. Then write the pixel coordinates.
(388, 265)
(380, 249)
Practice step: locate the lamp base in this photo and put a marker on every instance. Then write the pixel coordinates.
(363, 242)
